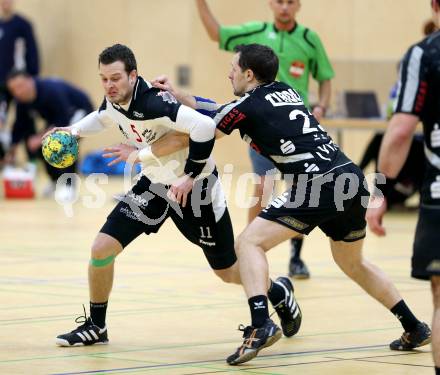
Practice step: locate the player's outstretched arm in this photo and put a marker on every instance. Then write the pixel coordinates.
(209, 21)
(164, 83)
(91, 124)
(168, 144)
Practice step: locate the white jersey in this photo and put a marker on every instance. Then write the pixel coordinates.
(150, 115)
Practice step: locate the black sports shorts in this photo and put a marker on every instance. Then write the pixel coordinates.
(335, 202)
(205, 220)
(426, 250)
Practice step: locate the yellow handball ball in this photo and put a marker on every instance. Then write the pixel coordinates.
(60, 149)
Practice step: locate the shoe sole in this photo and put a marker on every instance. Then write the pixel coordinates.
(300, 277)
(290, 334)
(425, 342)
(65, 343)
(251, 355)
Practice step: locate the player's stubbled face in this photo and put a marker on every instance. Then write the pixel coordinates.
(284, 10)
(237, 77)
(116, 82)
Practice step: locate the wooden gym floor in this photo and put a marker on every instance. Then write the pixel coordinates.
(169, 314)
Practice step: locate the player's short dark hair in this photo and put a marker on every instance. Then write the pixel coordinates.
(118, 52)
(17, 73)
(260, 59)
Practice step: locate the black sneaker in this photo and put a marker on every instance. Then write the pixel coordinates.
(288, 309)
(298, 269)
(420, 336)
(86, 334)
(255, 339)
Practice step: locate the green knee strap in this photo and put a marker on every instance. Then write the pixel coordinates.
(102, 262)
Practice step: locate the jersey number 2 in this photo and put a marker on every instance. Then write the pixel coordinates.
(306, 127)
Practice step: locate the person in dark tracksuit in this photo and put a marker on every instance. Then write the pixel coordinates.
(56, 101)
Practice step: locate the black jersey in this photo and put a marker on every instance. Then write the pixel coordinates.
(274, 121)
(419, 95)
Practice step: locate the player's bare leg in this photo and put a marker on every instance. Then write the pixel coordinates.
(101, 267)
(251, 246)
(230, 274)
(348, 256)
(101, 270)
(262, 192)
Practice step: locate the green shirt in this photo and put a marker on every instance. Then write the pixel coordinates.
(299, 50)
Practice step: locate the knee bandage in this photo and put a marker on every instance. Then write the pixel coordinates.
(102, 262)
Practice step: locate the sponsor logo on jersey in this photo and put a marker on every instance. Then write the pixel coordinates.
(167, 97)
(287, 147)
(138, 114)
(123, 131)
(149, 135)
(286, 97)
(232, 119)
(312, 167)
(297, 69)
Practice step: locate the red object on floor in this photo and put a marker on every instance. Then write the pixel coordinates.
(18, 183)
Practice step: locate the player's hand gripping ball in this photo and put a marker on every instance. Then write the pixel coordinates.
(60, 149)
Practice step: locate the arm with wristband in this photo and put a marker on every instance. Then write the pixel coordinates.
(201, 130)
(398, 136)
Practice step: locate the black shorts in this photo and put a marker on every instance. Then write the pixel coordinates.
(335, 202)
(207, 224)
(426, 250)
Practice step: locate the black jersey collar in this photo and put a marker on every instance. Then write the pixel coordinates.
(267, 84)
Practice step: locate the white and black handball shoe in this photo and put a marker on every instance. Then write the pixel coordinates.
(288, 309)
(86, 334)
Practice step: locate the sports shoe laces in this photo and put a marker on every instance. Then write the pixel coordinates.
(246, 330)
(83, 320)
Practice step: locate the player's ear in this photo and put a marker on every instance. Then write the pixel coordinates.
(249, 75)
(132, 76)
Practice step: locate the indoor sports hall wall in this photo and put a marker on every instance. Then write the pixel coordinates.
(364, 39)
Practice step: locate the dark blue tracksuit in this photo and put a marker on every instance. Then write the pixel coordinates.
(56, 103)
(18, 49)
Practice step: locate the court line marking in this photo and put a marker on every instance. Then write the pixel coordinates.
(369, 359)
(192, 345)
(167, 365)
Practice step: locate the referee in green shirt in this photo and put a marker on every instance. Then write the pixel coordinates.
(300, 53)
